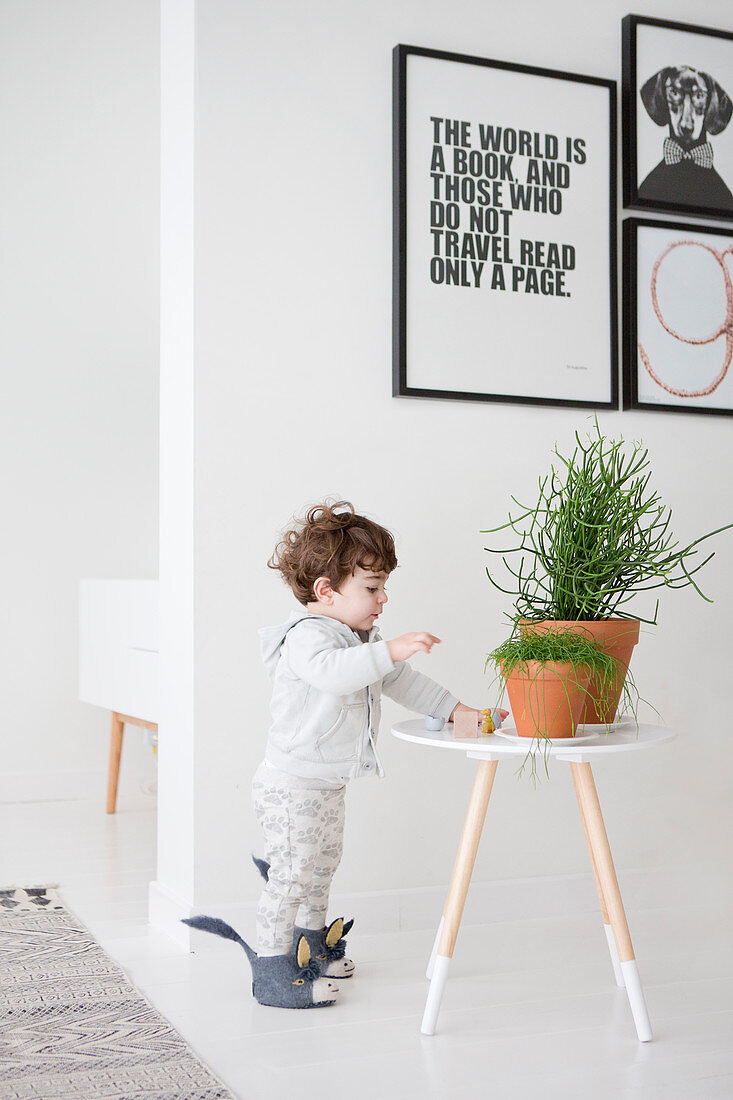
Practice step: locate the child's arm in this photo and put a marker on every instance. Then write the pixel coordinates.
(330, 664)
(416, 691)
(411, 688)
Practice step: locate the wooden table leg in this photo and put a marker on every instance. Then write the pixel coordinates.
(603, 862)
(617, 972)
(115, 752)
(457, 891)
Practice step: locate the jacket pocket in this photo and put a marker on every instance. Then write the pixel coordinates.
(341, 741)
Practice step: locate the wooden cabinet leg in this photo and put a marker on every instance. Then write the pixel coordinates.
(115, 752)
(457, 891)
(603, 862)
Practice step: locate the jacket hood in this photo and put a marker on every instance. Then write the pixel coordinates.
(272, 637)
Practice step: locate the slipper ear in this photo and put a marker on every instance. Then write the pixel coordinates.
(334, 932)
(347, 927)
(303, 955)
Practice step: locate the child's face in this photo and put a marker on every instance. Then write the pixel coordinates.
(359, 600)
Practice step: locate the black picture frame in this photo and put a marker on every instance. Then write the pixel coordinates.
(683, 186)
(601, 388)
(656, 366)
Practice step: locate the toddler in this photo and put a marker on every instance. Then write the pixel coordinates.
(329, 667)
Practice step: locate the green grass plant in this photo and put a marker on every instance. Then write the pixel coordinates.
(555, 645)
(518, 652)
(597, 536)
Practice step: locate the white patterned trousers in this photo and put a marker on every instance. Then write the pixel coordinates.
(304, 831)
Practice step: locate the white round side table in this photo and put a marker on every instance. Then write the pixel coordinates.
(589, 743)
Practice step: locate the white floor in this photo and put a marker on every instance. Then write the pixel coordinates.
(530, 1011)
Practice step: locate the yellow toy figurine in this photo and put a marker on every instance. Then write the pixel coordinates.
(477, 723)
(491, 720)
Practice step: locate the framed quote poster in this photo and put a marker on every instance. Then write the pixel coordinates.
(504, 232)
(678, 137)
(678, 317)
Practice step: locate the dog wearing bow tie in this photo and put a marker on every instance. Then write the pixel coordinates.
(692, 105)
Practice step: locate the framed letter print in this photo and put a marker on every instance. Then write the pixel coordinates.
(678, 317)
(504, 232)
(677, 107)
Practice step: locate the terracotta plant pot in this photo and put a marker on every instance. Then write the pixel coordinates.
(547, 699)
(616, 637)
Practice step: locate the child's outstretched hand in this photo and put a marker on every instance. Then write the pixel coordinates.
(462, 707)
(418, 642)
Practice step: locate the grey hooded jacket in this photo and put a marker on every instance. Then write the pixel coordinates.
(327, 687)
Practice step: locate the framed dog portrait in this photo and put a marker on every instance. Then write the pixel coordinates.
(504, 232)
(677, 107)
(678, 317)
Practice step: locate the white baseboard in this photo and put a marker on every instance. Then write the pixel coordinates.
(552, 896)
(51, 786)
(166, 911)
(73, 786)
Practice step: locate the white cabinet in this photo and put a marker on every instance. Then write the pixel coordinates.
(118, 646)
(118, 659)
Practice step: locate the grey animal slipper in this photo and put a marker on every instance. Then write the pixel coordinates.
(281, 981)
(328, 945)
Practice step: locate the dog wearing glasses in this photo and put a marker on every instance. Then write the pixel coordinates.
(692, 105)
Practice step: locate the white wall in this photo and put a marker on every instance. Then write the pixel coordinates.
(292, 378)
(293, 172)
(79, 350)
(176, 870)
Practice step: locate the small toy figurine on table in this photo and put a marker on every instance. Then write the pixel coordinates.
(491, 721)
(469, 723)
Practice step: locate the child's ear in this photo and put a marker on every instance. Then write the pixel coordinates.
(323, 590)
(304, 952)
(334, 932)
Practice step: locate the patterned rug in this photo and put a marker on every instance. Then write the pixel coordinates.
(72, 1024)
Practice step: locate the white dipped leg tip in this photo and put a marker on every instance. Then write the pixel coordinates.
(435, 994)
(636, 1000)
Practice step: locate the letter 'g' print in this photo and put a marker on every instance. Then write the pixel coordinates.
(725, 328)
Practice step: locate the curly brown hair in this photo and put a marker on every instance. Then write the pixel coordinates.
(331, 541)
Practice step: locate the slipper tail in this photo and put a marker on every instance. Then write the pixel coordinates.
(262, 866)
(219, 928)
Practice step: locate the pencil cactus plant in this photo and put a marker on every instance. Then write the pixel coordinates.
(597, 536)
